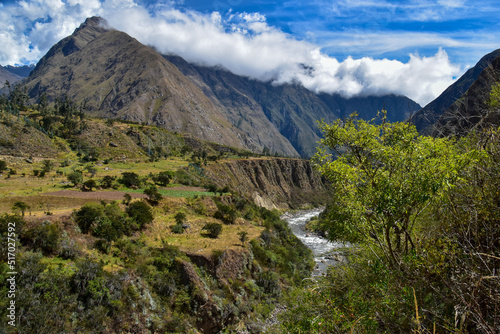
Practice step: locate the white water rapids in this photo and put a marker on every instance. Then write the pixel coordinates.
(323, 250)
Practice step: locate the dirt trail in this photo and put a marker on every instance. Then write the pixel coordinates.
(104, 195)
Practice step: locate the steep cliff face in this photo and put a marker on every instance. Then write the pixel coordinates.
(272, 183)
(471, 110)
(425, 119)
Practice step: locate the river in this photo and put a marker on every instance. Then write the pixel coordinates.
(323, 250)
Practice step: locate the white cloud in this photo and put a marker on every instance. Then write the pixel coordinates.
(244, 43)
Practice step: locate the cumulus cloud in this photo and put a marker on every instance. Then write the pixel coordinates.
(243, 43)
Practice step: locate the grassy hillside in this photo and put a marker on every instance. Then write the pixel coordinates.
(120, 228)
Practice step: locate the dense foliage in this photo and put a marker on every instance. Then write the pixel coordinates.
(423, 215)
(94, 272)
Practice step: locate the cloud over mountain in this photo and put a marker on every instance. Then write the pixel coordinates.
(244, 43)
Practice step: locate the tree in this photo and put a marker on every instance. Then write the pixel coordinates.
(180, 220)
(126, 199)
(163, 178)
(20, 206)
(243, 236)
(89, 185)
(75, 177)
(494, 100)
(107, 181)
(130, 180)
(88, 215)
(153, 195)
(213, 230)
(211, 188)
(384, 176)
(48, 165)
(3, 165)
(141, 213)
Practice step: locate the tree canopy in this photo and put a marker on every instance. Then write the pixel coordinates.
(384, 176)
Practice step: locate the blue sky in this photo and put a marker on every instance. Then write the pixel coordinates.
(358, 47)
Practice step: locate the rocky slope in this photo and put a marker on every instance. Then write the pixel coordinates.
(471, 110)
(425, 118)
(272, 183)
(291, 109)
(6, 75)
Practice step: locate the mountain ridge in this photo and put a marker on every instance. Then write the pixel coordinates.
(429, 115)
(119, 77)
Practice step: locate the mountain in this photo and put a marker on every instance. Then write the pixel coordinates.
(6, 75)
(14, 74)
(292, 109)
(122, 78)
(471, 110)
(427, 117)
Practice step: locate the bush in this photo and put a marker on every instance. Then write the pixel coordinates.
(44, 238)
(3, 165)
(87, 215)
(107, 181)
(75, 177)
(130, 180)
(213, 230)
(163, 178)
(153, 195)
(178, 228)
(89, 185)
(141, 213)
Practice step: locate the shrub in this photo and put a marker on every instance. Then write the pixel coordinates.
(87, 215)
(126, 199)
(75, 177)
(130, 180)
(163, 178)
(107, 181)
(44, 238)
(141, 213)
(3, 165)
(178, 228)
(213, 230)
(89, 185)
(20, 206)
(153, 195)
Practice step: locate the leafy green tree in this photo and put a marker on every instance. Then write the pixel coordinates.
(127, 198)
(163, 178)
(89, 185)
(3, 165)
(48, 165)
(384, 176)
(43, 237)
(213, 230)
(130, 180)
(494, 100)
(20, 206)
(153, 194)
(243, 236)
(88, 215)
(141, 213)
(75, 177)
(107, 181)
(211, 188)
(180, 218)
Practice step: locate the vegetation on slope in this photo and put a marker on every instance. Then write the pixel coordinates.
(133, 237)
(423, 216)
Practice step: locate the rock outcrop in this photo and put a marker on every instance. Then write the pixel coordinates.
(272, 183)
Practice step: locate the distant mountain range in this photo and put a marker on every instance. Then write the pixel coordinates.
(14, 74)
(122, 78)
